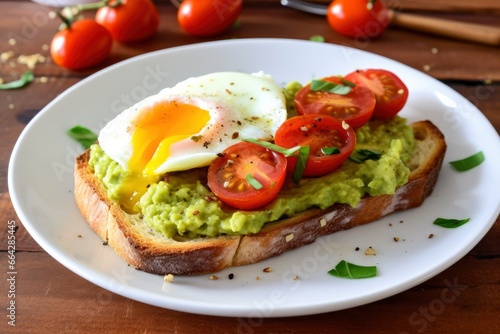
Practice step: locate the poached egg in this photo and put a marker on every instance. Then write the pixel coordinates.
(187, 125)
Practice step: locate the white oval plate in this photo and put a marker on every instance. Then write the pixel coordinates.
(45, 204)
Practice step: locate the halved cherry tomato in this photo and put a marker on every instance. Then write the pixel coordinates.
(358, 18)
(355, 107)
(320, 133)
(208, 17)
(390, 92)
(85, 44)
(228, 175)
(131, 21)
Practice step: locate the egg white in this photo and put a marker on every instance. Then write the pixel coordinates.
(240, 106)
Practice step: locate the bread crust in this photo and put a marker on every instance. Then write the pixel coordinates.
(146, 251)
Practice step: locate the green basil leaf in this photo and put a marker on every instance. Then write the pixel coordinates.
(469, 162)
(340, 90)
(302, 156)
(330, 87)
(83, 135)
(450, 223)
(348, 83)
(330, 150)
(321, 85)
(254, 182)
(300, 166)
(361, 155)
(273, 147)
(25, 79)
(349, 270)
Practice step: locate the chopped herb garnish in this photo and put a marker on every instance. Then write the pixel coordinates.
(450, 223)
(348, 83)
(469, 162)
(362, 155)
(348, 270)
(83, 135)
(254, 182)
(196, 138)
(302, 156)
(331, 87)
(300, 166)
(25, 79)
(286, 151)
(330, 150)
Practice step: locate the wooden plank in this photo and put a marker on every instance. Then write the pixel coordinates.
(52, 299)
(455, 60)
(50, 296)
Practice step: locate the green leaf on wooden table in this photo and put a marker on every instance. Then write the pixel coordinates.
(317, 38)
(26, 78)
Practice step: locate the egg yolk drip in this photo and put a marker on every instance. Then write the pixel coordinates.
(155, 130)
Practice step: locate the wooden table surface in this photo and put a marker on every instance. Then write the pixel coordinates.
(51, 299)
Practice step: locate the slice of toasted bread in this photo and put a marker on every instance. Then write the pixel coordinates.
(146, 249)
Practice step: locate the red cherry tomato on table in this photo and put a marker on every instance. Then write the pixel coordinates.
(208, 17)
(355, 107)
(85, 44)
(321, 133)
(228, 175)
(131, 21)
(390, 92)
(358, 18)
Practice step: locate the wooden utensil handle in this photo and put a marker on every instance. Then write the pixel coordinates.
(454, 29)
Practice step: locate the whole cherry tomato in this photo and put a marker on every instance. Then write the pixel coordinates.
(130, 21)
(247, 176)
(208, 17)
(390, 91)
(330, 142)
(358, 18)
(84, 44)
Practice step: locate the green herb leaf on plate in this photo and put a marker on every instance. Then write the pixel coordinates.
(450, 223)
(349, 270)
(469, 162)
(83, 135)
(361, 155)
(24, 80)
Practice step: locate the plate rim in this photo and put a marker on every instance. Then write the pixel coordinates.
(200, 309)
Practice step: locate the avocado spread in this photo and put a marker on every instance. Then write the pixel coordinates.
(182, 204)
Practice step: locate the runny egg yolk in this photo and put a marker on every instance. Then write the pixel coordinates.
(154, 131)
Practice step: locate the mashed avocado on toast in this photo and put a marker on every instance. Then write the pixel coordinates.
(182, 204)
